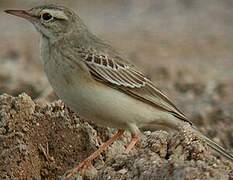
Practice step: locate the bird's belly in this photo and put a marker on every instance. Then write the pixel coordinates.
(102, 104)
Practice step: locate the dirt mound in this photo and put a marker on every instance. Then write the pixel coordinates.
(43, 141)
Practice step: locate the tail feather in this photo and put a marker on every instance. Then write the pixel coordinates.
(217, 147)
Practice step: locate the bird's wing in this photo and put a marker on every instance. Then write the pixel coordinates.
(119, 74)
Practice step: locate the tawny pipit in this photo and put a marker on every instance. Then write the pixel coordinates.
(97, 82)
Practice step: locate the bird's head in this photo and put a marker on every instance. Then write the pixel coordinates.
(50, 20)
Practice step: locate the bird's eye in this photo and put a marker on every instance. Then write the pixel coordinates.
(46, 17)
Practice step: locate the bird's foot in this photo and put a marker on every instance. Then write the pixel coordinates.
(86, 164)
(135, 138)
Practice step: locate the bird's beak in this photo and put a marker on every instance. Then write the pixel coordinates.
(23, 14)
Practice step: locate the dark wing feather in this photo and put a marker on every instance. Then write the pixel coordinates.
(121, 75)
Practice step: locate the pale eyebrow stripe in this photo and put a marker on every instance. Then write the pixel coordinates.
(55, 13)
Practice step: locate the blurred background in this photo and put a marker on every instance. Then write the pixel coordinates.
(184, 46)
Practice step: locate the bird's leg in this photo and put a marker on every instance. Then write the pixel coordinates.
(87, 162)
(134, 139)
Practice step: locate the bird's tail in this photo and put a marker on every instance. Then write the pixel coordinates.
(216, 147)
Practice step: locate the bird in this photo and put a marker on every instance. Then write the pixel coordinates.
(99, 83)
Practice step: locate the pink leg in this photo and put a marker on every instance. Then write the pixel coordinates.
(87, 162)
(135, 138)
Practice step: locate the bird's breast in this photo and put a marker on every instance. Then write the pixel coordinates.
(70, 81)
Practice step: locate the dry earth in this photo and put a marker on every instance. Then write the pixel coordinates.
(43, 141)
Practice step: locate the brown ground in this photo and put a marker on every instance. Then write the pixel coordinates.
(183, 46)
(43, 141)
